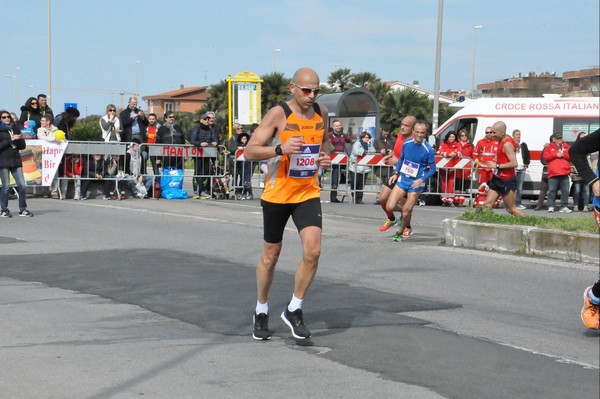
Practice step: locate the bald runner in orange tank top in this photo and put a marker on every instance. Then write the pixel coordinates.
(292, 178)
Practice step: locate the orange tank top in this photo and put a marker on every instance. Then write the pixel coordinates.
(293, 178)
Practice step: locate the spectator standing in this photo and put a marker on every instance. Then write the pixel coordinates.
(45, 110)
(359, 172)
(212, 123)
(110, 124)
(65, 121)
(133, 122)
(504, 180)
(485, 150)
(581, 191)
(10, 163)
(244, 171)
(151, 132)
(463, 176)
(46, 133)
(133, 125)
(232, 145)
(202, 136)
(170, 133)
(450, 148)
(544, 180)
(46, 130)
(523, 159)
(384, 145)
(559, 167)
(406, 132)
(30, 112)
(338, 140)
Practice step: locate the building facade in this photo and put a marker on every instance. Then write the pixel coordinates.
(581, 83)
(189, 99)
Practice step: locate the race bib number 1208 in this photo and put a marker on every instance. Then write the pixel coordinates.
(304, 165)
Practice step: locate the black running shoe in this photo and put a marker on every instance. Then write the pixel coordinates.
(261, 327)
(295, 323)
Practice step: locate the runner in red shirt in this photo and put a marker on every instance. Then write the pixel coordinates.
(504, 181)
(406, 132)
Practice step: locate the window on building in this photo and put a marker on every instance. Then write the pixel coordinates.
(169, 107)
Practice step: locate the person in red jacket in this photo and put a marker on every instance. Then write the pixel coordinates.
(463, 175)
(559, 166)
(504, 180)
(449, 148)
(485, 150)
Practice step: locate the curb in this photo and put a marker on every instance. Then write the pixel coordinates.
(523, 240)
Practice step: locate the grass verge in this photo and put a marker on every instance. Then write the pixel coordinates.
(584, 223)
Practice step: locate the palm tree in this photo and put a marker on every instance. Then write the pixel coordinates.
(275, 88)
(398, 104)
(341, 78)
(218, 98)
(380, 90)
(365, 79)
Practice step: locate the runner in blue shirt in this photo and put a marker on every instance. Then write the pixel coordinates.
(415, 166)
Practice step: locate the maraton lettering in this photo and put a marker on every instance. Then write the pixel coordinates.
(182, 151)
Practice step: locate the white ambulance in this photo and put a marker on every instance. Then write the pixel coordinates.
(537, 118)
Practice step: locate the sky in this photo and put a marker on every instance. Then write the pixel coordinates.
(103, 47)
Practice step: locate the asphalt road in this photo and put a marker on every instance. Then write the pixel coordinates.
(154, 299)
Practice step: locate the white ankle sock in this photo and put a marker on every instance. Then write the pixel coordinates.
(295, 303)
(262, 307)
(593, 298)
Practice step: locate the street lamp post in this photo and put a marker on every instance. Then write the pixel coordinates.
(475, 29)
(12, 98)
(17, 69)
(276, 51)
(137, 78)
(49, 54)
(438, 64)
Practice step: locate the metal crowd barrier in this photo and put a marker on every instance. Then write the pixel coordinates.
(455, 181)
(246, 176)
(457, 173)
(87, 150)
(208, 165)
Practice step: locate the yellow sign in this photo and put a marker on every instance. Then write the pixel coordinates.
(244, 99)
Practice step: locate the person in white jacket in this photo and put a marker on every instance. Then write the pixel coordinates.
(359, 172)
(110, 124)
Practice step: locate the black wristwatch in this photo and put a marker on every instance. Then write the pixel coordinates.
(278, 149)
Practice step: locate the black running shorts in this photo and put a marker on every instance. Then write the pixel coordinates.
(503, 186)
(275, 217)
